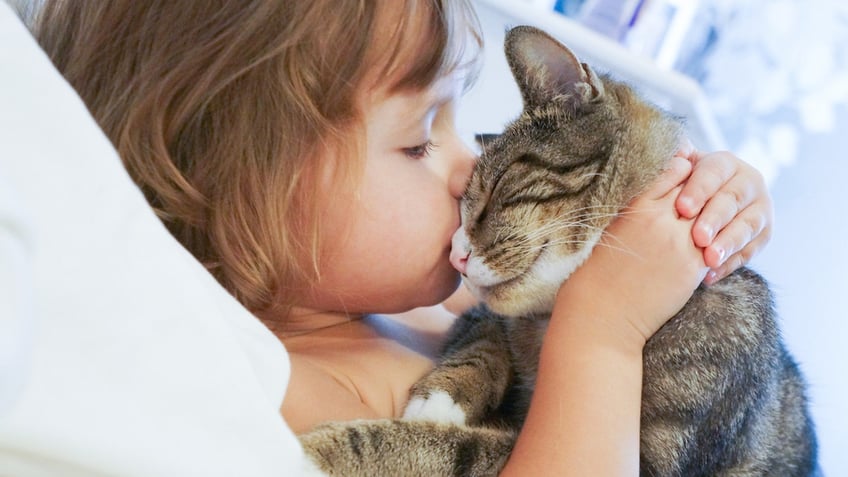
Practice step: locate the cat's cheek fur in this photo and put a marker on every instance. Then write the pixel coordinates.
(437, 407)
(536, 291)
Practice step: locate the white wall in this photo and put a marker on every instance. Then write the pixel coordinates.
(806, 263)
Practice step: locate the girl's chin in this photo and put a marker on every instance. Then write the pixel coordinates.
(445, 287)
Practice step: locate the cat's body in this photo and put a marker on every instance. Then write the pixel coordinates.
(721, 395)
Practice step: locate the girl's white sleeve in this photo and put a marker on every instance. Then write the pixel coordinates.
(119, 353)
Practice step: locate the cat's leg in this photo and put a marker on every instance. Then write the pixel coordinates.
(472, 375)
(391, 447)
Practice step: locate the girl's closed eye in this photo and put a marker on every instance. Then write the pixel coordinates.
(420, 151)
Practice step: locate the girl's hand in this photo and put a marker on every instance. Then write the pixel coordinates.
(646, 266)
(733, 208)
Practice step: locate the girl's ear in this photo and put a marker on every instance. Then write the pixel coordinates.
(546, 70)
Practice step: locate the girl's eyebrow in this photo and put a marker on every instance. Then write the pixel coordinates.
(430, 103)
(410, 114)
(443, 91)
(438, 99)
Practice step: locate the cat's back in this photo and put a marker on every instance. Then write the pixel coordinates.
(729, 328)
(720, 368)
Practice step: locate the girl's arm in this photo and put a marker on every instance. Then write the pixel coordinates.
(584, 417)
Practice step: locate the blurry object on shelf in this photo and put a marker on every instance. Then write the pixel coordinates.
(570, 8)
(660, 28)
(541, 4)
(774, 71)
(611, 18)
(652, 28)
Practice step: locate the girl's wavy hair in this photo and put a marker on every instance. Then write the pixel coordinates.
(223, 111)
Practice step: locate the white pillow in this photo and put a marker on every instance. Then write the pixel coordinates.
(119, 353)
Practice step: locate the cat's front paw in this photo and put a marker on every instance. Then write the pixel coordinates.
(437, 407)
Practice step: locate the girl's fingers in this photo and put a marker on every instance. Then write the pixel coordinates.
(738, 259)
(722, 209)
(733, 211)
(712, 171)
(749, 227)
(688, 152)
(677, 171)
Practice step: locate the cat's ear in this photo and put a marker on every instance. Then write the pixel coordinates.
(484, 139)
(546, 69)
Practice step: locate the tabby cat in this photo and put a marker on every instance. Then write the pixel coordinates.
(721, 395)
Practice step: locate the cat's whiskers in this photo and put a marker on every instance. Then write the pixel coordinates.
(554, 228)
(579, 220)
(621, 247)
(567, 221)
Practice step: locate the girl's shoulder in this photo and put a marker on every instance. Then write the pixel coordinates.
(363, 370)
(316, 393)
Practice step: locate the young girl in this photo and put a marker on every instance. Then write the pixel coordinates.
(306, 153)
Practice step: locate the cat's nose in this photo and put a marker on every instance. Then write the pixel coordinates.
(460, 251)
(459, 261)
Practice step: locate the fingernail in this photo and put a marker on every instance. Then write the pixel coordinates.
(674, 166)
(721, 255)
(681, 164)
(711, 277)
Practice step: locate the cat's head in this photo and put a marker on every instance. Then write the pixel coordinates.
(544, 190)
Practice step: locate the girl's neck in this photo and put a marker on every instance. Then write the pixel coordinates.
(306, 322)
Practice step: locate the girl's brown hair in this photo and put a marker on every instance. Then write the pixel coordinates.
(223, 109)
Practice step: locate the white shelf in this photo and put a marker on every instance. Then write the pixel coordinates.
(495, 99)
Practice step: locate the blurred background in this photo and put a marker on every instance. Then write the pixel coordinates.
(766, 79)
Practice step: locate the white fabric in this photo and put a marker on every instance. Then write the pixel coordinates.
(119, 354)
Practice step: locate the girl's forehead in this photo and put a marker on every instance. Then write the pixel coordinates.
(444, 89)
(409, 115)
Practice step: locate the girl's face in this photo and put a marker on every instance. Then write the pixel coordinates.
(388, 250)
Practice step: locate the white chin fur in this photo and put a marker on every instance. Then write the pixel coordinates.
(480, 274)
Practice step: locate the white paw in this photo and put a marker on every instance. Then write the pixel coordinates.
(439, 407)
